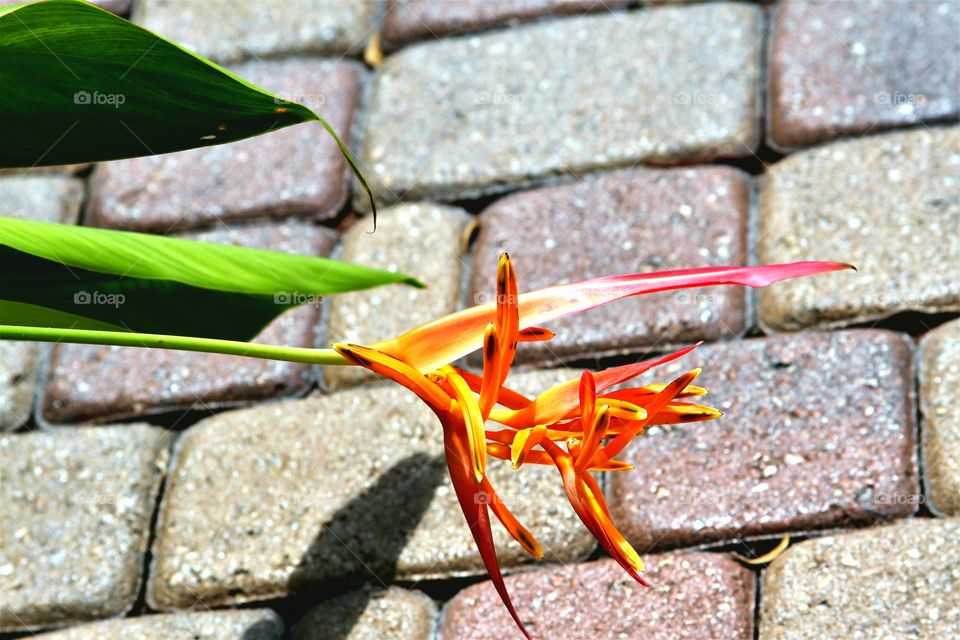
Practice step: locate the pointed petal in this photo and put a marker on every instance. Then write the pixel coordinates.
(637, 394)
(536, 334)
(612, 465)
(523, 442)
(506, 397)
(398, 371)
(684, 412)
(623, 410)
(508, 315)
(622, 551)
(473, 421)
(520, 533)
(588, 397)
(562, 401)
(502, 452)
(591, 511)
(661, 400)
(473, 504)
(490, 383)
(446, 339)
(593, 437)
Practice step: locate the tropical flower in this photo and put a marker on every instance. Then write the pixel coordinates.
(579, 426)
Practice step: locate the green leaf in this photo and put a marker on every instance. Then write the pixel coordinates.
(153, 284)
(81, 84)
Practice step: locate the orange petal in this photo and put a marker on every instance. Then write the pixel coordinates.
(398, 371)
(593, 496)
(660, 401)
(588, 396)
(639, 394)
(624, 410)
(473, 421)
(490, 383)
(612, 465)
(473, 503)
(536, 334)
(523, 442)
(683, 412)
(591, 510)
(562, 401)
(451, 337)
(508, 316)
(520, 533)
(502, 452)
(506, 397)
(593, 437)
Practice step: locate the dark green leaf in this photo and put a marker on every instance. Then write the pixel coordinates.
(81, 84)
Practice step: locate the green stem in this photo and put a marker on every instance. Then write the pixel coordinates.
(182, 343)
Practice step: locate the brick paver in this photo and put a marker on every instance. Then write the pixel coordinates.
(370, 614)
(228, 31)
(76, 515)
(423, 240)
(250, 624)
(848, 68)
(516, 106)
(887, 204)
(624, 222)
(694, 595)
(899, 581)
(940, 407)
(90, 382)
(408, 20)
(296, 171)
(818, 433)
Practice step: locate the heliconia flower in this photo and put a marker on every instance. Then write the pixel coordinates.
(578, 426)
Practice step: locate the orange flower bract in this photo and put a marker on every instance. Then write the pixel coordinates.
(578, 426)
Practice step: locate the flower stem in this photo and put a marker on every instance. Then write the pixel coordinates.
(182, 343)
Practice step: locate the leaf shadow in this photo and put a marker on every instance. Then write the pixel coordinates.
(361, 544)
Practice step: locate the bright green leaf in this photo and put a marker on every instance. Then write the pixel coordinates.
(154, 284)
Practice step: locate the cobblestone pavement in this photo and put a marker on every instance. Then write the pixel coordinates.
(149, 495)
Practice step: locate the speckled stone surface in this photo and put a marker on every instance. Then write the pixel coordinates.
(624, 222)
(423, 240)
(88, 382)
(900, 581)
(940, 407)
(855, 66)
(695, 595)
(370, 614)
(228, 31)
(408, 20)
(18, 382)
(296, 171)
(887, 204)
(267, 501)
(516, 106)
(248, 624)
(76, 512)
(818, 432)
(43, 197)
